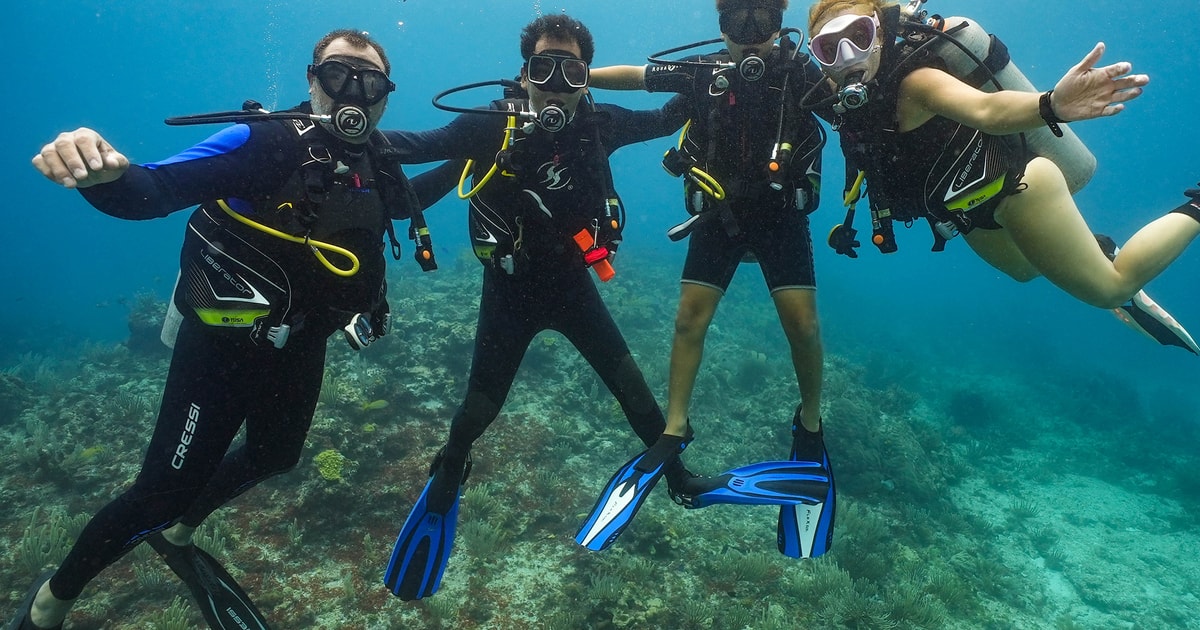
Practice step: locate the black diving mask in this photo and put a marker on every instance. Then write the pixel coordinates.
(343, 81)
(747, 25)
(557, 71)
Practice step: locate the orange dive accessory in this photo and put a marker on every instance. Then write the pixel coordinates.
(595, 257)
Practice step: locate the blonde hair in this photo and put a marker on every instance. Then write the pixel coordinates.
(824, 10)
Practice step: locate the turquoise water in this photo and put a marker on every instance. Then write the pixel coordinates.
(1003, 414)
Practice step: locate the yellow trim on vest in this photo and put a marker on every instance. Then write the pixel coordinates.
(229, 317)
(967, 202)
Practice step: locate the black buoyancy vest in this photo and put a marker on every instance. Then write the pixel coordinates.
(910, 174)
(549, 187)
(738, 126)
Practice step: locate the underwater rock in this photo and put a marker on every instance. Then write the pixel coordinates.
(145, 321)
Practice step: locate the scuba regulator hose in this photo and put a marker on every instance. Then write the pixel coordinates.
(316, 246)
(253, 111)
(552, 118)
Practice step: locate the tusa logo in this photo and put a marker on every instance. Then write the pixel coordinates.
(185, 440)
(977, 199)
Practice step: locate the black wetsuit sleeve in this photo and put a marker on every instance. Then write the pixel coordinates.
(670, 77)
(433, 184)
(626, 126)
(474, 136)
(242, 161)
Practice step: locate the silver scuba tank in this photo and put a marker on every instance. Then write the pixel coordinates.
(1068, 152)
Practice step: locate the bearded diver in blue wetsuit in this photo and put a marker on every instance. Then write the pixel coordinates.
(285, 249)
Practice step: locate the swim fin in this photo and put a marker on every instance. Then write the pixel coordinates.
(22, 620)
(765, 483)
(805, 530)
(423, 546)
(222, 601)
(626, 492)
(1147, 317)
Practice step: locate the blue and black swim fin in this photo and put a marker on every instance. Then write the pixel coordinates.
(788, 483)
(806, 529)
(423, 546)
(626, 492)
(222, 601)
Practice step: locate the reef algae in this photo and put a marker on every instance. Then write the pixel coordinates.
(947, 518)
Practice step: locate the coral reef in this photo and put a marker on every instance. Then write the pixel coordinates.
(960, 506)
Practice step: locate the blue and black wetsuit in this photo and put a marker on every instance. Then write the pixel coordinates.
(735, 124)
(534, 275)
(236, 284)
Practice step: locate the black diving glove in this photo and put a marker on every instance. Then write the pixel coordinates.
(1194, 193)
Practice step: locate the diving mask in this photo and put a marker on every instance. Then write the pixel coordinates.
(846, 41)
(745, 25)
(344, 81)
(354, 89)
(557, 71)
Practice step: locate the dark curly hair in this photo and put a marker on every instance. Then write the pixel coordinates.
(725, 5)
(559, 26)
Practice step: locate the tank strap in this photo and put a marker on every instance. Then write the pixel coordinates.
(997, 58)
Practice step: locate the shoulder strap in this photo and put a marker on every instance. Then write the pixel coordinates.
(400, 200)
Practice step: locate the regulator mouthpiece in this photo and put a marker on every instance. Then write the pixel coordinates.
(350, 121)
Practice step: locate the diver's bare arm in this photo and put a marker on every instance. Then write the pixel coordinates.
(618, 78)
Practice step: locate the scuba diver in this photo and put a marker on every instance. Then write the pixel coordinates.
(285, 249)
(542, 210)
(953, 134)
(751, 161)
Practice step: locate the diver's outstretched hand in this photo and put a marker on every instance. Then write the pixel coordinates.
(1086, 91)
(80, 158)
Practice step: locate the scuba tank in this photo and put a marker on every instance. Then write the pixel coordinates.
(1068, 152)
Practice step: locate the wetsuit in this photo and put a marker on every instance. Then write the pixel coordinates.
(942, 171)
(236, 283)
(561, 184)
(732, 133)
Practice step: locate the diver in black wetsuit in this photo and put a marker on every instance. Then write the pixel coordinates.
(522, 226)
(253, 309)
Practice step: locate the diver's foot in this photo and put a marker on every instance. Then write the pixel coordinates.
(34, 616)
(808, 446)
(1147, 317)
(681, 482)
(449, 473)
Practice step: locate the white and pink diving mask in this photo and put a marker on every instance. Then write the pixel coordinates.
(845, 41)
